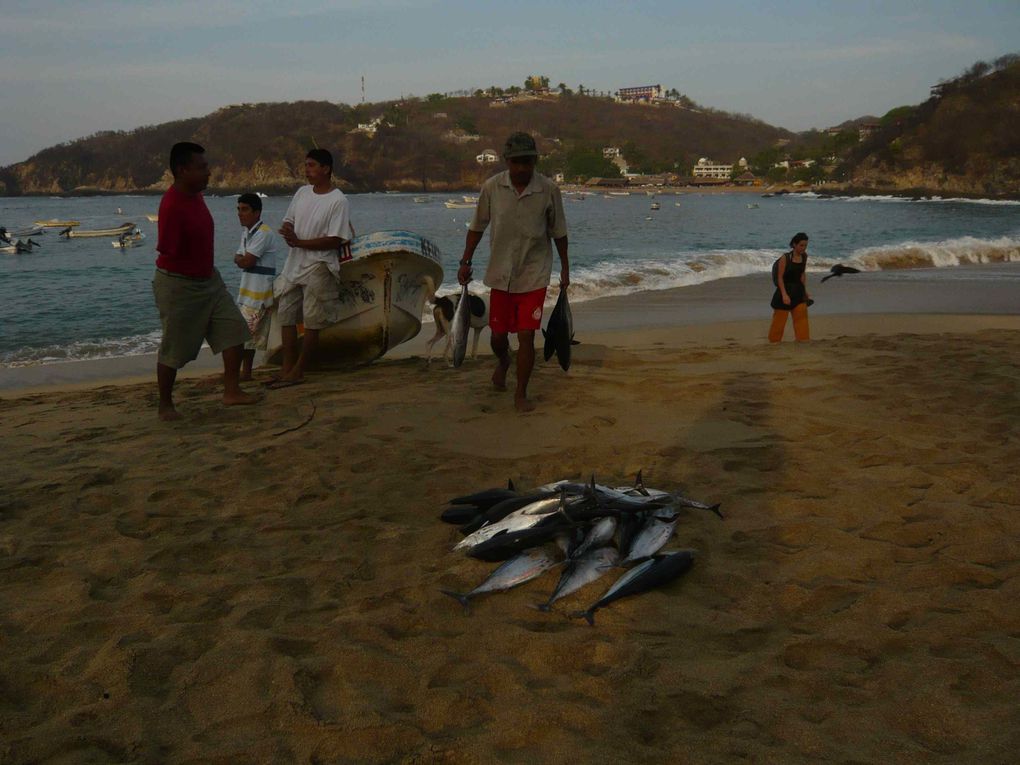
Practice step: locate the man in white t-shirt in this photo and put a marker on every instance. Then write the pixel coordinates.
(256, 257)
(316, 227)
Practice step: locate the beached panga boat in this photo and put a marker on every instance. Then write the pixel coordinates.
(72, 233)
(57, 223)
(383, 288)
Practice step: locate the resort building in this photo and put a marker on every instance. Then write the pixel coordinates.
(486, 157)
(866, 130)
(610, 151)
(706, 168)
(640, 93)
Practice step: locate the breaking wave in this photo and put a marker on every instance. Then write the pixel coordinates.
(965, 251)
(908, 200)
(83, 350)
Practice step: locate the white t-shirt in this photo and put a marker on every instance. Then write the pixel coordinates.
(314, 216)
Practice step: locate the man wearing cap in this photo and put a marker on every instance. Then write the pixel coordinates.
(525, 210)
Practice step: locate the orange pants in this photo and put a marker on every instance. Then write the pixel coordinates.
(800, 324)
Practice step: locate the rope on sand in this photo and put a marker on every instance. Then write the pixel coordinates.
(298, 427)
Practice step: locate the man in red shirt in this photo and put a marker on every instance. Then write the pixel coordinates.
(192, 299)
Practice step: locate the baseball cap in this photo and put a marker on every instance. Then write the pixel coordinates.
(519, 145)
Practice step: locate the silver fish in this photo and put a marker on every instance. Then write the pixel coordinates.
(600, 533)
(460, 327)
(652, 573)
(524, 518)
(518, 570)
(582, 571)
(650, 539)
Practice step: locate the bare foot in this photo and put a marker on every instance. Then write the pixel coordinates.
(499, 376)
(167, 413)
(523, 405)
(239, 399)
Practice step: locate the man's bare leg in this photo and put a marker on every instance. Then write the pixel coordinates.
(309, 342)
(500, 345)
(525, 363)
(289, 337)
(247, 362)
(232, 393)
(165, 377)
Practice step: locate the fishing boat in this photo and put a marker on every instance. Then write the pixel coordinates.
(383, 287)
(152, 218)
(124, 228)
(126, 241)
(57, 223)
(453, 204)
(471, 199)
(619, 193)
(26, 232)
(420, 200)
(18, 247)
(655, 205)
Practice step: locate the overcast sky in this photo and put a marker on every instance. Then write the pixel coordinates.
(68, 69)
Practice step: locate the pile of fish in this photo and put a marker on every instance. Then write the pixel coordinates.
(586, 529)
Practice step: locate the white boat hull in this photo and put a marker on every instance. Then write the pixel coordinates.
(382, 290)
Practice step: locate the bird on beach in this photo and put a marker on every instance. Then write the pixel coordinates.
(839, 269)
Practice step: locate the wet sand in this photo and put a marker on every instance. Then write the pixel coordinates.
(262, 584)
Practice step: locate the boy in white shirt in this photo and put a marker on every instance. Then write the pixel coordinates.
(256, 256)
(316, 227)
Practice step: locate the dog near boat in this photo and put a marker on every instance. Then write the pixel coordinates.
(442, 312)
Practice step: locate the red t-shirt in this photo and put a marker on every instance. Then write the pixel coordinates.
(185, 235)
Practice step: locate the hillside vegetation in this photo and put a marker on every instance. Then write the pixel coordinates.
(419, 144)
(963, 139)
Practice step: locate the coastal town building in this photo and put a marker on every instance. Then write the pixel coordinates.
(488, 156)
(610, 151)
(706, 168)
(866, 130)
(369, 128)
(645, 93)
(607, 182)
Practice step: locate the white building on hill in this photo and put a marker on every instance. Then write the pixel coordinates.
(706, 168)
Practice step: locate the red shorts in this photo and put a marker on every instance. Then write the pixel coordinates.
(515, 311)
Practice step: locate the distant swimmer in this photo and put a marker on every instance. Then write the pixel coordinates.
(839, 269)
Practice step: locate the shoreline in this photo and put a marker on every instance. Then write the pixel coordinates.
(894, 300)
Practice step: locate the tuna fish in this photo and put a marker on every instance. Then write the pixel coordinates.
(582, 571)
(559, 332)
(505, 546)
(601, 532)
(460, 328)
(653, 573)
(651, 538)
(518, 570)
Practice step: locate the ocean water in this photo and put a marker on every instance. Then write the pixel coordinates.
(82, 298)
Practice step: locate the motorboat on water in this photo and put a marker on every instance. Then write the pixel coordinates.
(23, 233)
(72, 233)
(453, 204)
(53, 223)
(469, 198)
(383, 287)
(131, 239)
(420, 200)
(655, 206)
(17, 246)
(152, 218)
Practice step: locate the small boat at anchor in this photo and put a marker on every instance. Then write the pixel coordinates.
(383, 287)
(453, 204)
(53, 223)
(152, 218)
(131, 239)
(72, 233)
(655, 205)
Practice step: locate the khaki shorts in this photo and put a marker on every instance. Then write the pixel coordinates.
(258, 321)
(193, 310)
(314, 302)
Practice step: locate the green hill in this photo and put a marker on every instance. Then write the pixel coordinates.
(963, 140)
(418, 144)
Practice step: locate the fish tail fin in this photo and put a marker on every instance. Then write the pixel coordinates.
(543, 607)
(715, 509)
(588, 616)
(463, 599)
(510, 484)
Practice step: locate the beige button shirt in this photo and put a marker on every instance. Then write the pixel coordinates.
(521, 254)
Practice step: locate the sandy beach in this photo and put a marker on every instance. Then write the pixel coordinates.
(262, 585)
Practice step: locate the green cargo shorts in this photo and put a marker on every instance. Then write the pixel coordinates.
(192, 310)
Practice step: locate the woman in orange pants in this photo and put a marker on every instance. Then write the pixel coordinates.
(791, 295)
